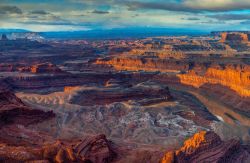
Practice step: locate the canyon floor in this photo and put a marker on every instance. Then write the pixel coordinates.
(166, 99)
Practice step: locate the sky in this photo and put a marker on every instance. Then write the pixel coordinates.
(75, 15)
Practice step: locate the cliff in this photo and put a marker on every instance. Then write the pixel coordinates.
(41, 68)
(236, 78)
(146, 64)
(208, 147)
(234, 37)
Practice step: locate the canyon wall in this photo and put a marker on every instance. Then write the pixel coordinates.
(233, 76)
(236, 78)
(146, 64)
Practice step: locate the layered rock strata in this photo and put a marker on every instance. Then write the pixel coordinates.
(88, 150)
(208, 147)
(234, 37)
(236, 78)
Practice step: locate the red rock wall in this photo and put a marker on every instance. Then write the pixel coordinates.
(236, 78)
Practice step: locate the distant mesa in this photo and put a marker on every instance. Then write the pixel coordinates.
(41, 68)
(234, 37)
(44, 68)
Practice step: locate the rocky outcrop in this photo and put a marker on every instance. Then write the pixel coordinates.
(14, 111)
(89, 150)
(95, 149)
(41, 68)
(208, 147)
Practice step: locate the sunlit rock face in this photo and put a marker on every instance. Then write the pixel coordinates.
(208, 147)
(236, 77)
(233, 76)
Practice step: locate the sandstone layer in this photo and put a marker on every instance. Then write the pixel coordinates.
(236, 77)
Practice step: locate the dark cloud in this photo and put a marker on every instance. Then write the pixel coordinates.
(100, 12)
(10, 10)
(247, 22)
(191, 19)
(230, 16)
(136, 15)
(49, 23)
(170, 6)
(39, 12)
(192, 6)
(212, 22)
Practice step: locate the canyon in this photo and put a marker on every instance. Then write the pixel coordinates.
(157, 99)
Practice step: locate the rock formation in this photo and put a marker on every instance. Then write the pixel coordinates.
(145, 64)
(235, 37)
(29, 145)
(108, 95)
(33, 68)
(208, 147)
(236, 77)
(41, 68)
(89, 150)
(13, 110)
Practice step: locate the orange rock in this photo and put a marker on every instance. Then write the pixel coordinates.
(168, 157)
(236, 78)
(208, 147)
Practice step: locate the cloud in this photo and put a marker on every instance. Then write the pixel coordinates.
(170, 6)
(49, 23)
(217, 5)
(100, 12)
(230, 16)
(39, 12)
(192, 6)
(247, 22)
(10, 10)
(193, 18)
